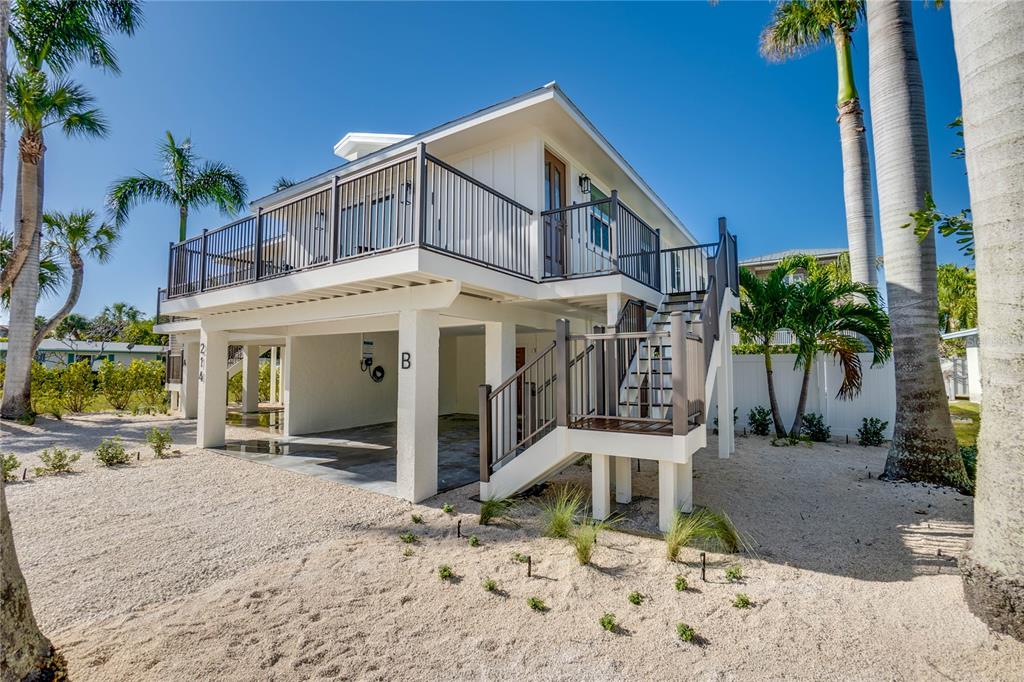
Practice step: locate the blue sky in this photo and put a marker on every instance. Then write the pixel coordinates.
(679, 89)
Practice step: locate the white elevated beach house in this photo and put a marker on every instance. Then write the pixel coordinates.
(509, 266)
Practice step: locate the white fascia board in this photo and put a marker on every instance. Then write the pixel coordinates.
(598, 285)
(176, 327)
(639, 445)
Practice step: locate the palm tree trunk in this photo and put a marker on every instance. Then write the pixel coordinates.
(990, 56)
(17, 403)
(860, 214)
(182, 222)
(924, 446)
(77, 275)
(801, 403)
(773, 401)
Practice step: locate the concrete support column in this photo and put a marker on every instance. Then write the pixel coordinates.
(601, 478)
(623, 480)
(274, 364)
(499, 352)
(614, 307)
(973, 370)
(724, 385)
(675, 491)
(288, 423)
(250, 378)
(418, 341)
(189, 401)
(213, 387)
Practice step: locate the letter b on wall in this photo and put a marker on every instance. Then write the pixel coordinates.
(406, 360)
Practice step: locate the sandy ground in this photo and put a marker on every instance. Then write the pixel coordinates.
(208, 567)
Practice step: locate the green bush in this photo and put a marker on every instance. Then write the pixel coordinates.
(536, 603)
(635, 598)
(742, 601)
(681, 584)
(872, 432)
(760, 420)
(521, 558)
(447, 508)
(474, 541)
(560, 510)
(444, 572)
(47, 392)
(111, 452)
(56, 461)
(265, 382)
(815, 428)
(969, 454)
(148, 377)
(77, 386)
(235, 388)
(159, 441)
(416, 518)
(607, 622)
(685, 632)
(9, 467)
(407, 538)
(117, 384)
(490, 585)
(734, 574)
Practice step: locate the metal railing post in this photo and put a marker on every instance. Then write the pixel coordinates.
(202, 264)
(562, 372)
(613, 230)
(485, 433)
(680, 402)
(657, 261)
(333, 221)
(420, 217)
(599, 360)
(258, 270)
(611, 375)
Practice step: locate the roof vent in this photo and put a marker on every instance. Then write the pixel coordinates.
(357, 145)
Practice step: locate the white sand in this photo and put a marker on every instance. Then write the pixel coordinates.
(210, 567)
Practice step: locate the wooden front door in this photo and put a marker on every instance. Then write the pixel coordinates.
(555, 232)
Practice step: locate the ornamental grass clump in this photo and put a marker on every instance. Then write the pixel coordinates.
(705, 528)
(491, 510)
(490, 585)
(561, 509)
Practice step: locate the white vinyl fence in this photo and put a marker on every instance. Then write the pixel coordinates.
(877, 398)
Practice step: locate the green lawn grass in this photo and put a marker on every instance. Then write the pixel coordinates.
(966, 432)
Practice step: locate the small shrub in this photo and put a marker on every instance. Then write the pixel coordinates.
(490, 585)
(148, 377)
(496, 509)
(447, 508)
(681, 584)
(871, 432)
(969, 454)
(635, 598)
(474, 541)
(408, 552)
(742, 601)
(111, 452)
(521, 558)
(160, 441)
(537, 604)
(734, 574)
(444, 572)
(9, 467)
(685, 632)
(760, 420)
(117, 383)
(416, 518)
(607, 622)
(56, 461)
(707, 528)
(78, 386)
(815, 428)
(561, 509)
(407, 538)
(583, 540)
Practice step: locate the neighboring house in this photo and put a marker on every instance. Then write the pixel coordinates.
(963, 374)
(60, 352)
(463, 270)
(762, 265)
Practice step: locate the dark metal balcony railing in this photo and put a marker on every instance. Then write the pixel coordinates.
(417, 200)
(600, 238)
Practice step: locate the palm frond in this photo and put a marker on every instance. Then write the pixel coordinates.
(127, 193)
(216, 183)
(794, 30)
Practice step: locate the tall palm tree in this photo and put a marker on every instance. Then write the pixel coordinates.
(35, 105)
(823, 312)
(763, 311)
(188, 183)
(797, 27)
(924, 447)
(56, 33)
(990, 57)
(76, 236)
(51, 268)
(74, 327)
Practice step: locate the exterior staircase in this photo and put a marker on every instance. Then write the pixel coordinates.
(639, 390)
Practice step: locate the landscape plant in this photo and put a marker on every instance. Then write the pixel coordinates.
(536, 603)
(742, 601)
(734, 574)
(607, 622)
(444, 572)
(685, 632)
(635, 598)
(474, 541)
(148, 377)
(159, 440)
(9, 464)
(704, 527)
(760, 420)
(56, 461)
(560, 509)
(815, 428)
(416, 518)
(77, 386)
(447, 508)
(407, 538)
(490, 585)
(117, 384)
(111, 452)
(584, 538)
(681, 583)
(871, 432)
(496, 509)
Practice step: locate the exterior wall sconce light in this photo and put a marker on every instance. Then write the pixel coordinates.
(585, 184)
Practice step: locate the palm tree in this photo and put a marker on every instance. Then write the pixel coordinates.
(56, 33)
(990, 57)
(797, 27)
(76, 236)
(824, 313)
(924, 447)
(958, 301)
(187, 184)
(74, 327)
(763, 311)
(51, 269)
(283, 183)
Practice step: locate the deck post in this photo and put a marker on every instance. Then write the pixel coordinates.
(202, 263)
(680, 409)
(333, 222)
(613, 229)
(562, 372)
(257, 270)
(485, 433)
(420, 193)
(600, 485)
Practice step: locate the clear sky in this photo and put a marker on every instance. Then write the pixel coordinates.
(679, 89)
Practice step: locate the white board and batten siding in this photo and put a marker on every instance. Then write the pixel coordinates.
(877, 397)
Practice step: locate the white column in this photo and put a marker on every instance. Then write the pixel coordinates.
(684, 486)
(614, 303)
(273, 373)
(601, 470)
(250, 378)
(723, 380)
(499, 352)
(623, 480)
(675, 490)
(973, 369)
(418, 337)
(284, 396)
(213, 387)
(190, 381)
